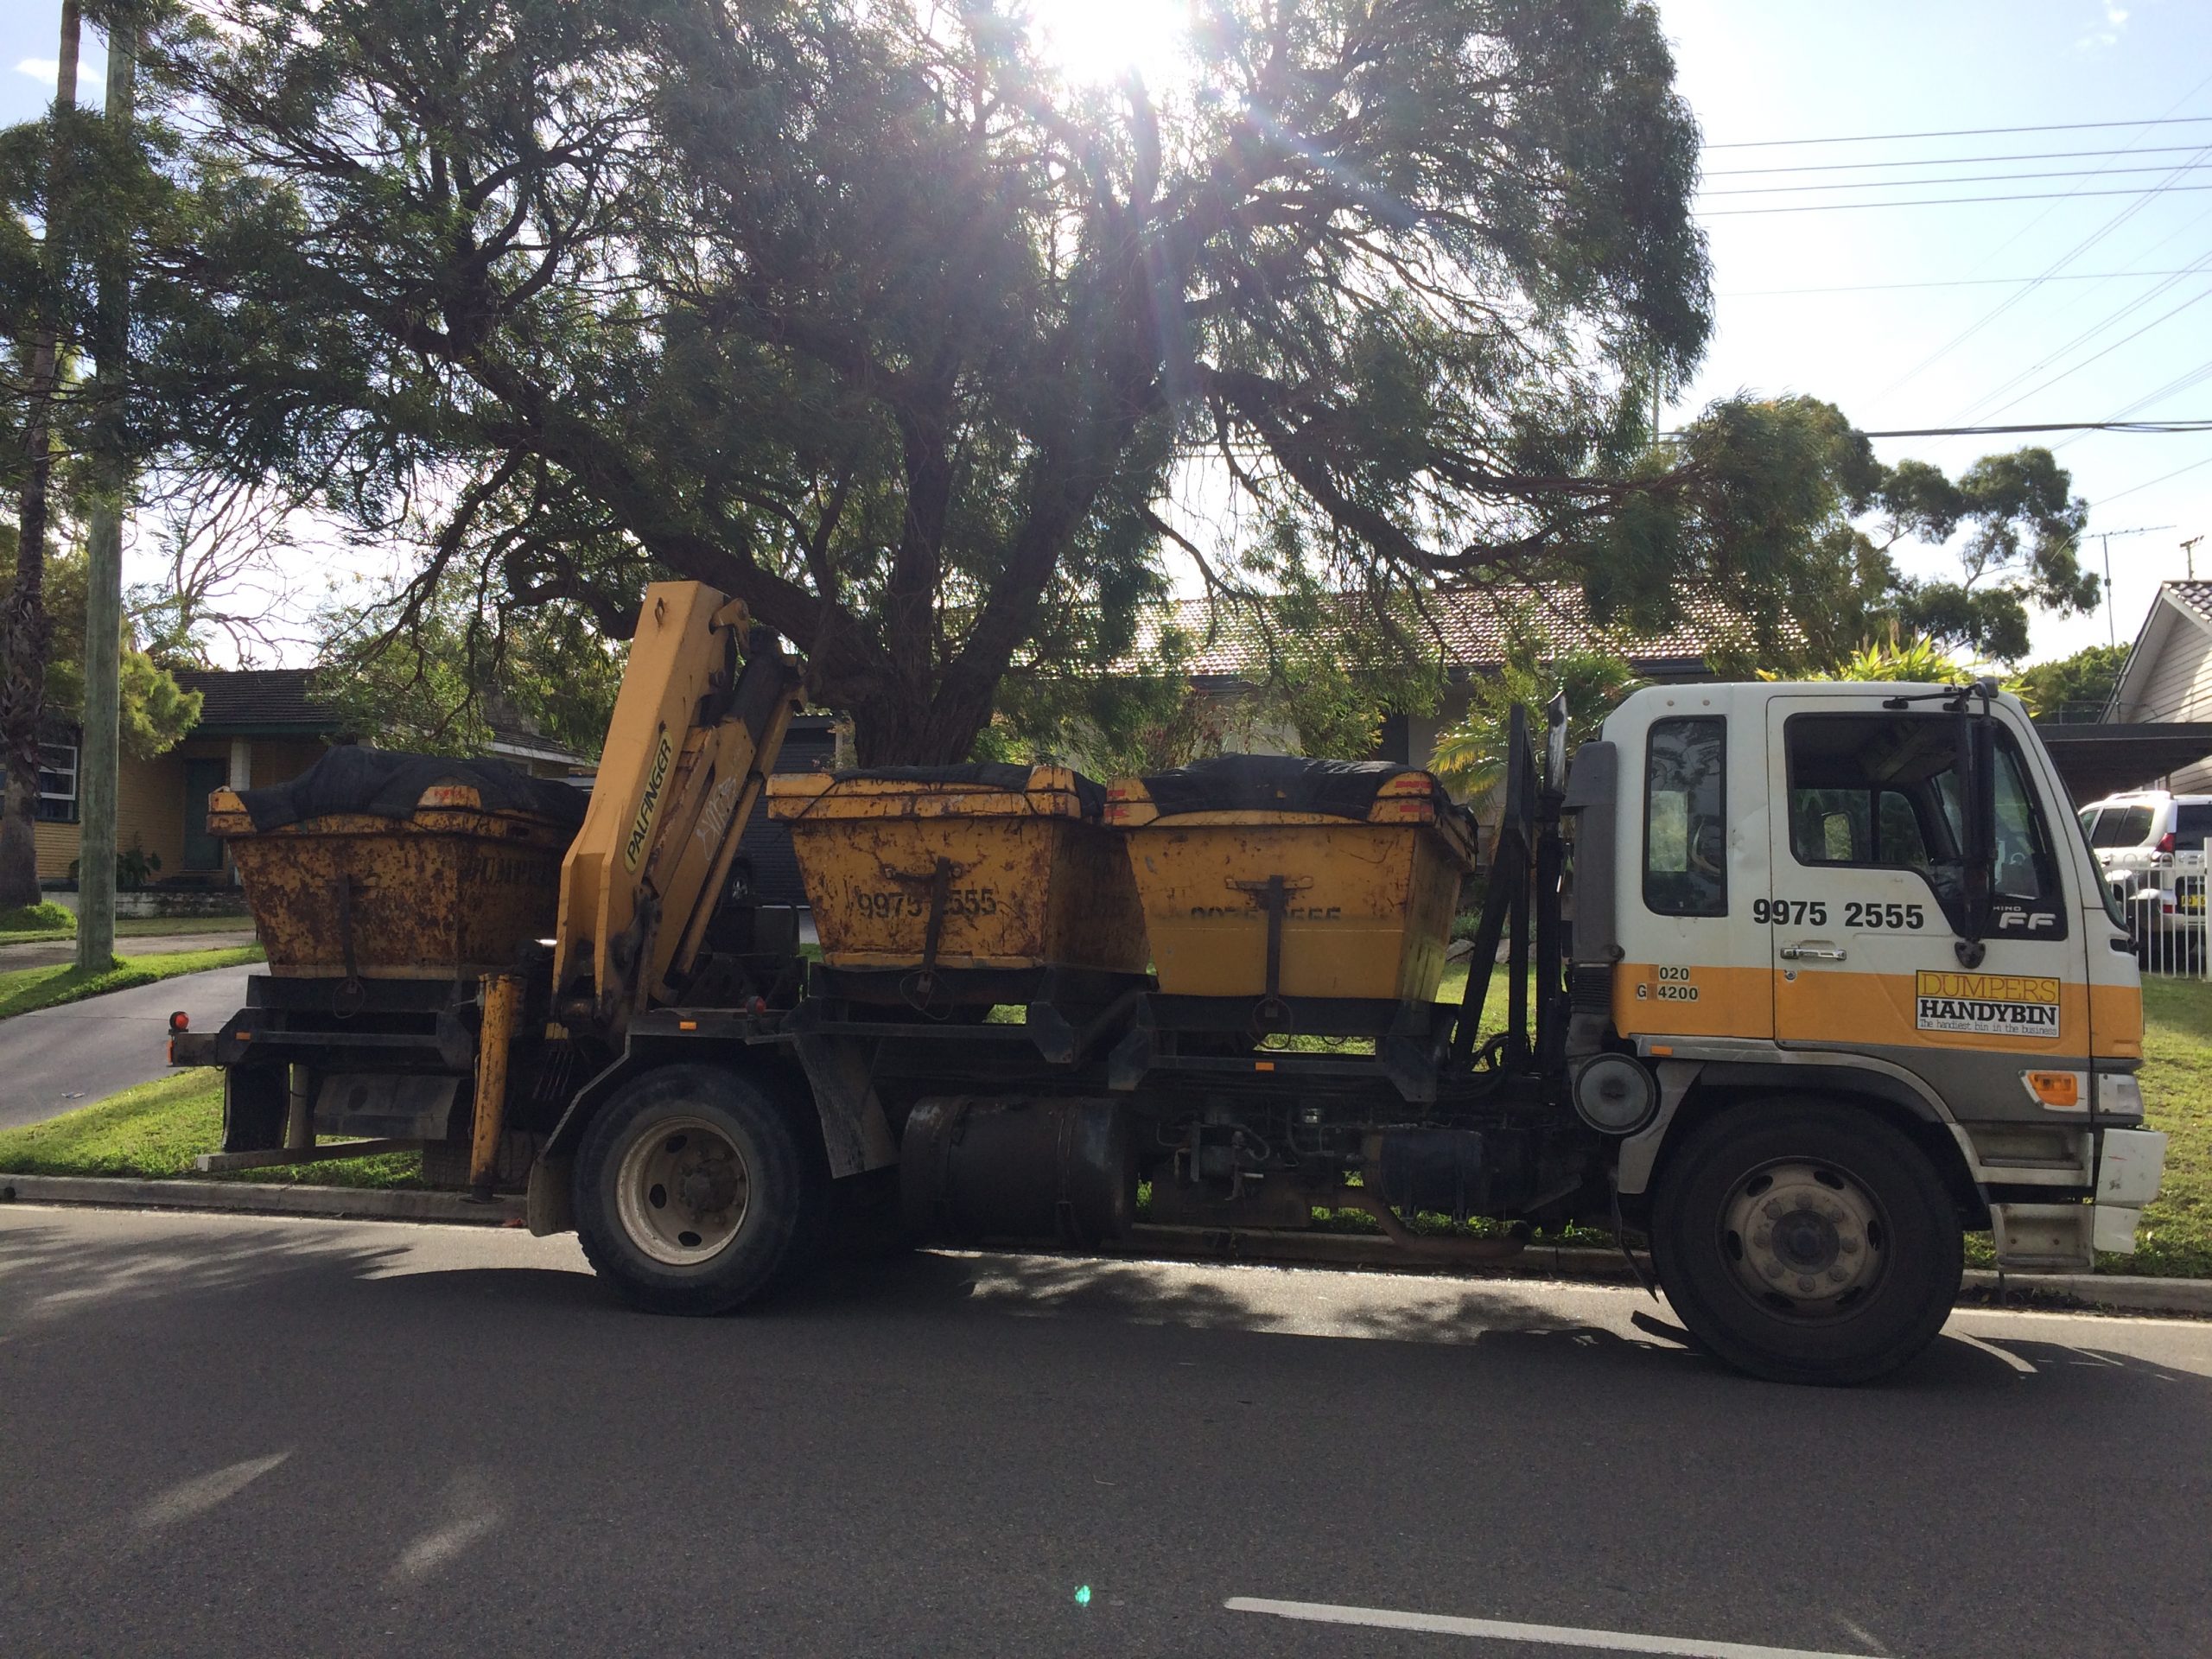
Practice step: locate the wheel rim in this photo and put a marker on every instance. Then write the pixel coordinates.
(1806, 1240)
(682, 1191)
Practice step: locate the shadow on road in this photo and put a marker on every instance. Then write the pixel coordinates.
(50, 1274)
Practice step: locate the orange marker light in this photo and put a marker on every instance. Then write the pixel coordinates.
(2060, 1089)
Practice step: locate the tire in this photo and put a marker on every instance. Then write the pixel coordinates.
(694, 1192)
(1857, 1275)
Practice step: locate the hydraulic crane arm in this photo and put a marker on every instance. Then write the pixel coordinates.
(705, 702)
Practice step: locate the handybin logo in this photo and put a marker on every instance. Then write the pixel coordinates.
(634, 849)
(1999, 1005)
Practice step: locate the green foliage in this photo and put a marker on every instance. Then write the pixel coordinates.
(134, 865)
(1918, 659)
(48, 917)
(2076, 688)
(1810, 522)
(158, 1128)
(1470, 756)
(862, 314)
(434, 672)
(155, 712)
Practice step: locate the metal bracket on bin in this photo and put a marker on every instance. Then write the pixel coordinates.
(940, 885)
(1271, 1015)
(346, 1000)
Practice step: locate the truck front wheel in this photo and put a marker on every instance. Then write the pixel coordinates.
(1807, 1243)
(694, 1193)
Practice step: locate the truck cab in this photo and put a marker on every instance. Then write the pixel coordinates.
(1861, 911)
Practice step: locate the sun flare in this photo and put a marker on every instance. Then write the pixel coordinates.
(1098, 40)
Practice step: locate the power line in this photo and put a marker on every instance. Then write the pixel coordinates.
(1951, 201)
(1963, 282)
(2139, 427)
(2161, 479)
(1965, 132)
(2095, 356)
(1956, 178)
(1949, 161)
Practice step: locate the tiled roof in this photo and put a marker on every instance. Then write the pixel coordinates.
(256, 701)
(1472, 628)
(2197, 595)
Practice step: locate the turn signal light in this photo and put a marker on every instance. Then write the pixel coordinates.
(2059, 1089)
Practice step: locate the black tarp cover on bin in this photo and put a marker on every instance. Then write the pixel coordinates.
(1274, 783)
(388, 784)
(1090, 795)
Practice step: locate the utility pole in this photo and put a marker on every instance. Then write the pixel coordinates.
(2112, 626)
(26, 633)
(2189, 552)
(103, 550)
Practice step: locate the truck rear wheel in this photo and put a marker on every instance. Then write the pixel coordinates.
(1806, 1243)
(694, 1193)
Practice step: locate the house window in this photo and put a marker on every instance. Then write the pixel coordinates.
(57, 783)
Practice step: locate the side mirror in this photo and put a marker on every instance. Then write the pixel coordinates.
(1978, 756)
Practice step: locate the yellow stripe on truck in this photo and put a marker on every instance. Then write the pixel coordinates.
(1931, 1009)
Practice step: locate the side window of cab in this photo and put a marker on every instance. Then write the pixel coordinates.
(1686, 817)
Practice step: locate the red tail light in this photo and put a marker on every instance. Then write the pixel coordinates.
(2166, 842)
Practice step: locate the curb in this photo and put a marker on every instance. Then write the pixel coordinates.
(2113, 1292)
(260, 1198)
(2118, 1293)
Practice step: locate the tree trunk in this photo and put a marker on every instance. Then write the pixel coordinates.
(25, 630)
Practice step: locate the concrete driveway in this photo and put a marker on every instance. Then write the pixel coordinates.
(57, 1059)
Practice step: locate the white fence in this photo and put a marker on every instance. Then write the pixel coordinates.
(2167, 915)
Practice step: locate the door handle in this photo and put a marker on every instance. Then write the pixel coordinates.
(1811, 953)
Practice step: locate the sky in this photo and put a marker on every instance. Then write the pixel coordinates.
(2075, 305)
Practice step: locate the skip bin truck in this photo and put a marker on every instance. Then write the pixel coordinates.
(1802, 982)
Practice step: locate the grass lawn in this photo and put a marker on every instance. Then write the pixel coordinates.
(130, 927)
(26, 989)
(157, 1128)
(39, 921)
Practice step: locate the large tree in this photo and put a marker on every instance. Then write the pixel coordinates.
(856, 310)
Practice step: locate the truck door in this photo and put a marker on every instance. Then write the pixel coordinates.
(1694, 788)
(1868, 900)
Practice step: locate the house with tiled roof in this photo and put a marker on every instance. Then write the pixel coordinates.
(256, 726)
(2168, 679)
(1471, 632)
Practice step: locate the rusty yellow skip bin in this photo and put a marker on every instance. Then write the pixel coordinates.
(1011, 863)
(1366, 901)
(451, 892)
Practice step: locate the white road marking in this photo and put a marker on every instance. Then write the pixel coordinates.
(203, 1492)
(1861, 1632)
(2004, 1354)
(1500, 1630)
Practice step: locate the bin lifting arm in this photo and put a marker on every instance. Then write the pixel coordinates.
(696, 727)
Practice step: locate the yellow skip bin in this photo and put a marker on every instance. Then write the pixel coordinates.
(1363, 859)
(1010, 866)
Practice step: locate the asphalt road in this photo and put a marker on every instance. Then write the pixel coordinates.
(262, 1437)
(57, 1059)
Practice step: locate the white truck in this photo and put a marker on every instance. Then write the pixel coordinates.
(1841, 983)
